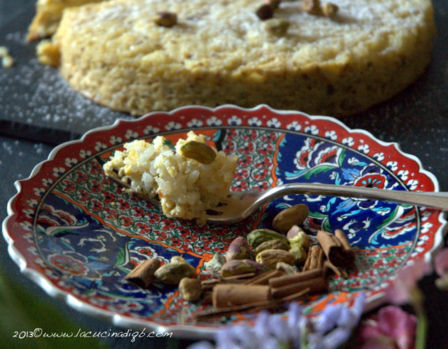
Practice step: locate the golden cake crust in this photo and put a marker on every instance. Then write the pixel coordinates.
(48, 15)
(221, 52)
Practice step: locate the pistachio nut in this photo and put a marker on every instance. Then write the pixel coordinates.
(190, 289)
(277, 244)
(299, 254)
(238, 249)
(301, 239)
(258, 236)
(240, 266)
(270, 258)
(215, 264)
(171, 273)
(198, 151)
(294, 215)
(293, 231)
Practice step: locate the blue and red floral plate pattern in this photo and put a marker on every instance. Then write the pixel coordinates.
(77, 233)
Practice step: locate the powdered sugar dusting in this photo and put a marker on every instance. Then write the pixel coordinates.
(36, 94)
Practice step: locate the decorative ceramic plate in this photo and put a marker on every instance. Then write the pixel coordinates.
(77, 233)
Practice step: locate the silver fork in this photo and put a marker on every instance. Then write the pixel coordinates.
(241, 205)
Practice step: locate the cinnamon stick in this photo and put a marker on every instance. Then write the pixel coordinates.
(237, 277)
(207, 298)
(295, 278)
(339, 272)
(314, 285)
(306, 265)
(263, 279)
(209, 284)
(314, 258)
(319, 261)
(340, 235)
(269, 304)
(334, 250)
(232, 309)
(227, 295)
(143, 274)
(295, 295)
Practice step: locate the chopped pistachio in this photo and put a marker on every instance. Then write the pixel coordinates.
(329, 9)
(265, 12)
(277, 26)
(166, 19)
(311, 6)
(274, 3)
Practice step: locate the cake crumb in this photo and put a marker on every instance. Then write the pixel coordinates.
(48, 53)
(7, 60)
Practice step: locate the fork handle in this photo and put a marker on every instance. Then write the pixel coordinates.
(438, 200)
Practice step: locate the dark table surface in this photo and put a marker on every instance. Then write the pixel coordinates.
(39, 111)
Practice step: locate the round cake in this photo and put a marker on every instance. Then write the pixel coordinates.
(139, 56)
(48, 15)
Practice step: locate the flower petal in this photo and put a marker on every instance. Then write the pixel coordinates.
(398, 325)
(441, 262)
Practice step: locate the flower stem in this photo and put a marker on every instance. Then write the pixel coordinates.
(422, 326)
(417, 299)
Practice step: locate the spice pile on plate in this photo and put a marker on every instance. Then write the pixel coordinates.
(260, 271)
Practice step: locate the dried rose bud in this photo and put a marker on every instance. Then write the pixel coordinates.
(265, 12)
(166, 19)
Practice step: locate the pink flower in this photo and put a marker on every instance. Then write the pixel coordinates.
(401, 290)
(390, 328)
(441, 268)
(441, 262)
